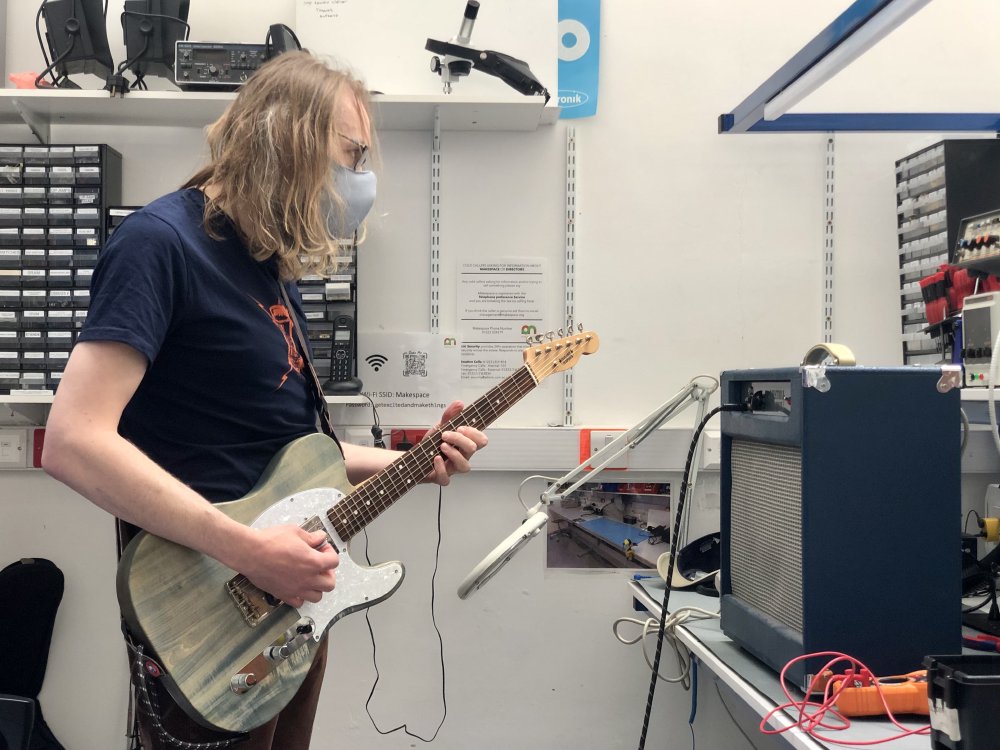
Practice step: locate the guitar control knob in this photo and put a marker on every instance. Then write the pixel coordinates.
(279, 653)
(243, 682)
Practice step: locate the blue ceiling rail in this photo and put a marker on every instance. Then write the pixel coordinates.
(857, 29)
(881, 122)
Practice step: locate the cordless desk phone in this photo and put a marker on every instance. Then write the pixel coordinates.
(342, 354)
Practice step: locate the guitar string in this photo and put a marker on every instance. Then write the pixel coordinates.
(414, 466)
(424, 451)
(351, 509)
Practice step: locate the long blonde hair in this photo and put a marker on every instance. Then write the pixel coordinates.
(270, 162)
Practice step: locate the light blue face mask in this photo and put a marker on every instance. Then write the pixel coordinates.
(357, 189)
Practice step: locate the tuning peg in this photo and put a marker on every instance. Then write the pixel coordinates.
(550, 335)
(579, 327)
(562, 333)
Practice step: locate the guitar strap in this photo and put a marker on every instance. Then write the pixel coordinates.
(313, 378)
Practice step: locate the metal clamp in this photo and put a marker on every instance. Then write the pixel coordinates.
(814, 376)
(951, 377)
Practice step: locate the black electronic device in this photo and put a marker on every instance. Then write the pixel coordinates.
(515, 73)
(77, 40)
(342, 378)
(216, 66)
(281, 38)
(151, 29)
(458, 59)
(977, 244)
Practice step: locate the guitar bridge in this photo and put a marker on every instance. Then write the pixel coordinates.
(253, 604)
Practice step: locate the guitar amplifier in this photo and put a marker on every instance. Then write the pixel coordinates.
(841, 515)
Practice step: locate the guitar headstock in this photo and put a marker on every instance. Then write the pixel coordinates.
(556, 351)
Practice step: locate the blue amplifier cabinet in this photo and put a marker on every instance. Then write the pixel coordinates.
(841, 515)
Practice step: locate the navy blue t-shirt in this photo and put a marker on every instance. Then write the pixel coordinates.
(225, 388)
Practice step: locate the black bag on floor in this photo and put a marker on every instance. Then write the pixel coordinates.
(31, 591)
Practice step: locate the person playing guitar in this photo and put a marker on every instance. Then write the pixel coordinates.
(182, 386)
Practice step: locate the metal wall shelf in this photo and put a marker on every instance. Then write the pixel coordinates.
(46, 398)
(40, 109)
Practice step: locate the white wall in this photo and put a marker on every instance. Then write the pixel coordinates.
(696, 253)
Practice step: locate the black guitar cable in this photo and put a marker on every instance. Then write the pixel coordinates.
(404, 727)
(673, 559)
(376, 424)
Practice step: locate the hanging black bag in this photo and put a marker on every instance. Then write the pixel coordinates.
(31, 591)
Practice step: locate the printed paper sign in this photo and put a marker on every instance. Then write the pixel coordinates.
(411, 378)
(500, 303)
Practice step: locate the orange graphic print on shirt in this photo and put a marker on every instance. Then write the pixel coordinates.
(281, 318)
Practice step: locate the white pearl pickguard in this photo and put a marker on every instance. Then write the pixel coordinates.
(358, 586)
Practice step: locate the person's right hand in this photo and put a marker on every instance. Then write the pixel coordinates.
(292, 564)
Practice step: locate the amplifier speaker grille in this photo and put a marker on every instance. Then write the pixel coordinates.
(766, 529)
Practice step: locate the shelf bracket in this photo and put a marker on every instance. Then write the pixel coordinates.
(436, 223)
(570, 265)
(38, 126)
(829, 185)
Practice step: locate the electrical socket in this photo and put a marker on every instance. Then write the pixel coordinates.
(13, 448)
(600, 438)
(359, 436)
(711, 449)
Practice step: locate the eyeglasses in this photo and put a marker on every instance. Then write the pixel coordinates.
(360, 153)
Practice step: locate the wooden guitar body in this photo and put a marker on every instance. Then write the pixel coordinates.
(178, 602)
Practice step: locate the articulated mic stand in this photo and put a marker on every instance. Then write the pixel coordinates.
(696, 391)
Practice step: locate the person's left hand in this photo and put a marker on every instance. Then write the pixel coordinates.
(457, 447)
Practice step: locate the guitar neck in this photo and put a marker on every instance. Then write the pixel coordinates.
(369, 499)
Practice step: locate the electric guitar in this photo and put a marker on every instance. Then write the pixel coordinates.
(232, 656)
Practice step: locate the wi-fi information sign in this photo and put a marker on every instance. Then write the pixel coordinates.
(410, 377)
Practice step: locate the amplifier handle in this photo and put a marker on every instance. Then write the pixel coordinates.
(837, 354)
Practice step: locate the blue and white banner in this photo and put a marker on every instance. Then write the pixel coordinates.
(579, 56)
